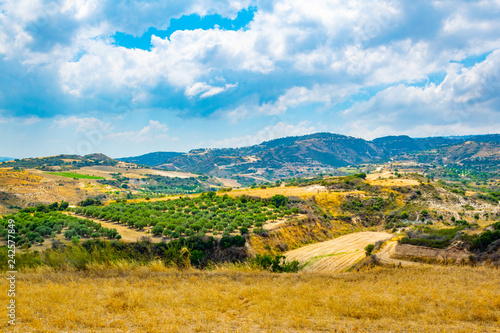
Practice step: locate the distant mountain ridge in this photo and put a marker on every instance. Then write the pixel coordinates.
(301, 156)
(285, 157)
(4, 159)
(150, 159)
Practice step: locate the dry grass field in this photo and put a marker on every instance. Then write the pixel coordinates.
(159, 299)
(303, 192)
(27, 187)
(394, 182)
(382, 177)
(338, 254)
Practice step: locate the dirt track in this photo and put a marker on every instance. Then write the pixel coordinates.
(385, 254)
(338, 254)
(128, 234)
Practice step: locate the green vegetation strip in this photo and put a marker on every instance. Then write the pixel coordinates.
(73, 175)
(314, 260)
(30, 229)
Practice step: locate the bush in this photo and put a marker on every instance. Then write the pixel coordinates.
(197, 257)
(78, 257)
(360, 175)
(277, 264)
(369, 249)
(237, 241)
(482, 242)
(279, 200)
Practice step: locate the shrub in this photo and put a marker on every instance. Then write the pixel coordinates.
(369, 249)
(197, 257)
(482, 242)
(78, 257)
(278, 264)
(237, 241)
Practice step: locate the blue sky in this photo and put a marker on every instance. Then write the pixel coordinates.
(130, 77)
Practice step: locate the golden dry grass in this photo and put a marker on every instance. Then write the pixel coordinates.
(34, 186)
(17, 178)
(302, 192)
(157, 299)
(296, 234)
(394, 182)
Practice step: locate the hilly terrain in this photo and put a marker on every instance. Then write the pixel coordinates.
(391, 233)
(323, 152)
(73, 178)
(477, 155)
(151, 159)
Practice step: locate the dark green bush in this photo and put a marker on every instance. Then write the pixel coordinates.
(276, 264)
(369, 249)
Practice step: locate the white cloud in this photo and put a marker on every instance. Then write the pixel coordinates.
(153, 131)
(27, 121)
(82, 125)
(463, 103)
(204, 90)
(279, 130)
(294, 53)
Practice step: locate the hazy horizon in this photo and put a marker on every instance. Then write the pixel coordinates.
(194, 148)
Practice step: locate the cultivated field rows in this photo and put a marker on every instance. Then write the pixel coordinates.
(337, 254)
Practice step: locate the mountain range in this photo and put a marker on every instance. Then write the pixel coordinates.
(289, 156)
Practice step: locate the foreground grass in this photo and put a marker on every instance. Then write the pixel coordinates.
(159, 299)
(73, 175)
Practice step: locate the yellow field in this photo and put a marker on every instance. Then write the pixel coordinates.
(27, 187)
(338, 254)
(158, 299)
(394, 182)
(303, 192)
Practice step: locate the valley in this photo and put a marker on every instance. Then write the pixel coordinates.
(379, 236)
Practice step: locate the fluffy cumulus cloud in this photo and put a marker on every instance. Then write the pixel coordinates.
(368, 66)
(467, 101)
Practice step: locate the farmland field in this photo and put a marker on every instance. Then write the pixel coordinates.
(105, 171)
(74, 175)
(338, 254)
(187, 216)
(129, 234)
(36, 228)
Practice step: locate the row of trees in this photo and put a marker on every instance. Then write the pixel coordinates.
(187, 217)
(36, 227)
